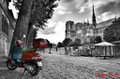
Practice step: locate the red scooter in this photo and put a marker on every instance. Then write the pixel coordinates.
(30, 60)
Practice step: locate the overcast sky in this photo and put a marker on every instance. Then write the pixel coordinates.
(78, 11)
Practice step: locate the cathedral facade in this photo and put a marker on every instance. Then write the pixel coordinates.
(85, 31)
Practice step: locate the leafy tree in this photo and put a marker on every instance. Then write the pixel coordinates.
(59, 44)
(41, 11)
(98, 39)
(92, 39)
(66, 42)
(31, 36)
(22, 22)
(95, 39)
(28, 9)
(77, 40)
(112, 33)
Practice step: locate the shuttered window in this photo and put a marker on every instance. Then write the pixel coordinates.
(5, 25)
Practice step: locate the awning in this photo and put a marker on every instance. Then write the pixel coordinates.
(104, 44)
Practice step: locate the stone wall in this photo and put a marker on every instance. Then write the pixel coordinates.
(3, 44)
(6, 28)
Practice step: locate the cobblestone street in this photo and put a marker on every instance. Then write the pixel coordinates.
(67, 67)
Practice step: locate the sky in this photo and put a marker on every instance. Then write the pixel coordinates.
(77, 11)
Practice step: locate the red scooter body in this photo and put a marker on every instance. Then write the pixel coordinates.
(28, 55)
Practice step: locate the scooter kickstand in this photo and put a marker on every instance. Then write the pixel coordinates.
(23, 72)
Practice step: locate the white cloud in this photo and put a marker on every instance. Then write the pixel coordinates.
(82, 9)
(51, 23)
(106, 16)
(49, 29)
(88, 5)
(56, 37)
(60, 12)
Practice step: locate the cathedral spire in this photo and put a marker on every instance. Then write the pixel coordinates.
(115, 16)
(93, 18)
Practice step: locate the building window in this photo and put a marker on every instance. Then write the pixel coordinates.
(94, 32)
(119, 38)
(100, 30)
(5, 25)
(97, 31)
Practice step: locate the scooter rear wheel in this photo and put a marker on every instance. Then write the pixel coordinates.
(11, 66)
(34, 69)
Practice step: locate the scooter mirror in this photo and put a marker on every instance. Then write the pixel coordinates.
(24, 36)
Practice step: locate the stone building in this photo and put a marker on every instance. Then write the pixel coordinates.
(7, 25)
(85, 31)
(76, 31)
(100, 27)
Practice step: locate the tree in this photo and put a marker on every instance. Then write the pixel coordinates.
(98, 39)
(77, 40)
(112, 33)
(22, 22)
(66, 42)
(41, 11)
(59, 44)
(31, 36)
(25, 11)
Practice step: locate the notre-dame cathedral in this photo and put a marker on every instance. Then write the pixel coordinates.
(84, 31)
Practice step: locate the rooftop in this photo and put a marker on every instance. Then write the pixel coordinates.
(105, 23)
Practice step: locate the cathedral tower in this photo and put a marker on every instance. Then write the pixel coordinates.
(70, 29)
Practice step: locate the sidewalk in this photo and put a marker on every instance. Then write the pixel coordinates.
(3, 58)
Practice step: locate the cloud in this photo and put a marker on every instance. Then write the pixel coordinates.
(84, 5)
(57, 36)
(82, 9)
(106, 16)
(108, 7)
(60, 12)
(49, 29)
(68, 1)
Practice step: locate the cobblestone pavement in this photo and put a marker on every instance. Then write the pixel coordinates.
(66, 67)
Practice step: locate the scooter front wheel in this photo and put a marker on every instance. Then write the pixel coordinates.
(11, 66)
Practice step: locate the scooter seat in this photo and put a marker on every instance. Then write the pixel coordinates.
(17, 61)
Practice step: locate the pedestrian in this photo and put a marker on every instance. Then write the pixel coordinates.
(56, 48)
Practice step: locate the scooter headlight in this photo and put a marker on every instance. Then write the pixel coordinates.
(36, 58)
